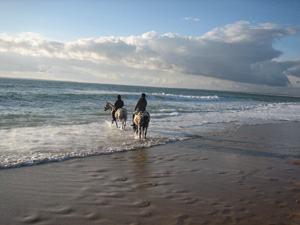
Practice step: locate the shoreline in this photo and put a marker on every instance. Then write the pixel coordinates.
(236, 177)
(198, 137)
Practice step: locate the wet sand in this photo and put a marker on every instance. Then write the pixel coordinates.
(249, 176)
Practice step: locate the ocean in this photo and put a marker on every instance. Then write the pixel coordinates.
(49, 121)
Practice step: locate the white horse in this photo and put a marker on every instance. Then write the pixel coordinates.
(141, 122)
(120, 114)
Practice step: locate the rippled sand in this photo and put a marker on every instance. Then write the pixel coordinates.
(251, 176)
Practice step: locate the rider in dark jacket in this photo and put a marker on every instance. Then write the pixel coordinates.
(140, 105)
(118, 104)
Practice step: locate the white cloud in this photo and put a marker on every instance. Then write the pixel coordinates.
(187, 18)
(191, 18)
(236, 52)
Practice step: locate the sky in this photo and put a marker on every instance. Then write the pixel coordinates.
(236, 45)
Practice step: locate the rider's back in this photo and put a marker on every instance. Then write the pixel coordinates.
(141, 105)
(119, 104)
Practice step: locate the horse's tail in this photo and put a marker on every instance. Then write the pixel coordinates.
(125, 113)
(145, 118)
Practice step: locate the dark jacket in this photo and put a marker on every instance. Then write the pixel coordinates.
(119, 104)
(141, 105)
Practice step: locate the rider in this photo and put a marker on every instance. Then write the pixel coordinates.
(118, 104)
(140, 105)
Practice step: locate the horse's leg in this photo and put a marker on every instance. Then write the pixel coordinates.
(117, 124)
(137, 131)
(140, 131)
(112, 121)
(124, 121)
(113, 117)
(146, 127)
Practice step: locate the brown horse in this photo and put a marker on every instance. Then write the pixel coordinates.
(141, 122)
(120, 114)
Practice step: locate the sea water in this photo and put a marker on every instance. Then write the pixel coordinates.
(46, 121)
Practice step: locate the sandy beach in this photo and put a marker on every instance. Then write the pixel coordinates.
(238, 177)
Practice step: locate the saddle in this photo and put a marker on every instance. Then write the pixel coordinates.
(140, 113)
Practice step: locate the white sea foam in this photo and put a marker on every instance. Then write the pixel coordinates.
(175, 97)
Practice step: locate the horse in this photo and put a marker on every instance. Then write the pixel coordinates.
(140, 124)
(120, 114)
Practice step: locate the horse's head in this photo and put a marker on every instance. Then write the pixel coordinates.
(106, 106)
(109, 106)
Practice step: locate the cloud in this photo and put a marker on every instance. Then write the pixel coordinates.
(237, 52)
(187, 18)
(191, 18)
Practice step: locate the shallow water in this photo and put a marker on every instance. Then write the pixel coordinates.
(44, 121)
